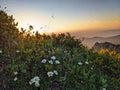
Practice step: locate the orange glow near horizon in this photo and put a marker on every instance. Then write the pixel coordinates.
(47, 16)
(49, 25)
(102, 24)
(71, 27)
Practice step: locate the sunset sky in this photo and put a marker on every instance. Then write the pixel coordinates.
(65, 15)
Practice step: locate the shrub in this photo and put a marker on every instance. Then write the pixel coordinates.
(52, 62)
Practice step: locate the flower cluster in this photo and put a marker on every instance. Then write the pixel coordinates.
(35, 80)
(51, 73)
(15, 73)
(55, 72)
(80, 63)
(17, 51)
(52, 61)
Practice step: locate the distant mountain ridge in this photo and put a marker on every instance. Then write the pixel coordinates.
(91, 41)
(107, 45)
(98, 33)
(116, 36)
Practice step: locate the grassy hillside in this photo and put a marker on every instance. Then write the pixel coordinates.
(52, 62)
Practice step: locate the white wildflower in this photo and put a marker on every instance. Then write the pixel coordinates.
(15, 73)
(55, 72)
(53, 57)
(17, 51)
(15, 79)
(104, 89)
(50, 61)
(57, 62)
(37, 84)
(30, 82)
(50, 74)
(0, 51)
(65, 51)
(92, 68)
(80, 63)
(86, 62)
(44, 61)
(36, 79)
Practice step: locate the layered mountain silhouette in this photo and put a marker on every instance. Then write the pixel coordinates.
(96, 33)
(91, 41)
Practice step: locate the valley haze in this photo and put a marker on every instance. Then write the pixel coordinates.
(89, 38)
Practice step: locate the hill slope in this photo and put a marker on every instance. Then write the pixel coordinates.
(107, 45)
